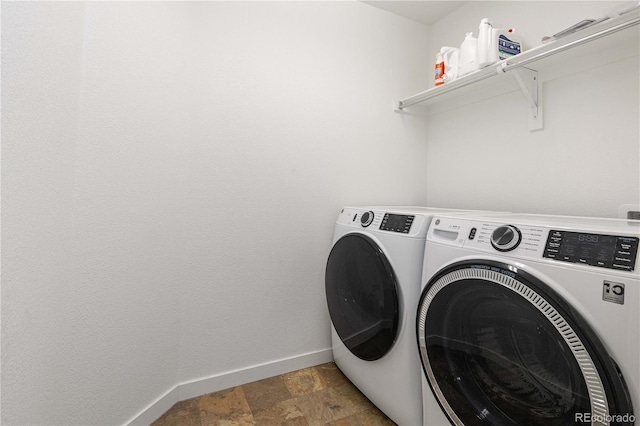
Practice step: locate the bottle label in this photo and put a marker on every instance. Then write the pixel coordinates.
(439, 73)
(507, 48)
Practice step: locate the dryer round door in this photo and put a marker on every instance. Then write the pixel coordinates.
(362, 296)
(500, 347)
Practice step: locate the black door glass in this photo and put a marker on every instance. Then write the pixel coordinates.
(362, 296)
(499, 361)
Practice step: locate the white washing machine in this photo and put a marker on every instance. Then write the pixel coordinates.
(527, 319)
(372, 286)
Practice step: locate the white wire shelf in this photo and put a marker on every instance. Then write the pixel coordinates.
(527, 64)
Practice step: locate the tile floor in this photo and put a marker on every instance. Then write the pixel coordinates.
(319, 395)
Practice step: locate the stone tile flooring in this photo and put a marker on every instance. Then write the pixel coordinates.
(319, 395)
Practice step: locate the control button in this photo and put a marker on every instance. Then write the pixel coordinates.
(472, 234)
(622, 267)
(366, 219)
(506, 238)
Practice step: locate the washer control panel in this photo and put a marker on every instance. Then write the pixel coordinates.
(610, 250)
(605, 251)
(410, 223)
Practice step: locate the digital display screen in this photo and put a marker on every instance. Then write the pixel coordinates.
(606, 251)
(397, 223)
(588, 246)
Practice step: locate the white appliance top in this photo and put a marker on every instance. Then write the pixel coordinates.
(431, 211)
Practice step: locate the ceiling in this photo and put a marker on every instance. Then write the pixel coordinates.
(425, 11)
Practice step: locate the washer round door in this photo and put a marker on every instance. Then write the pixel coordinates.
(362, 296)
(500, 347)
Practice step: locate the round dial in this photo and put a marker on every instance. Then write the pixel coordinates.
(506, 238)
(366, 218)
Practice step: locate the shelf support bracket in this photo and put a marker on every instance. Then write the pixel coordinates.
(528, 81)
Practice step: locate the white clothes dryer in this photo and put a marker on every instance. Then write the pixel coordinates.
(372, 282)
(530, 320)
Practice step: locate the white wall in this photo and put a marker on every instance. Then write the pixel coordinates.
(586, 160)
(171, 173)
(93, 162)
(293, 119)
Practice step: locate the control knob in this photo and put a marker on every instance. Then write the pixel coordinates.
(366, 219)
(505, 238)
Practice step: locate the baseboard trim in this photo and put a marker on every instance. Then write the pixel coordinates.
(227, 380)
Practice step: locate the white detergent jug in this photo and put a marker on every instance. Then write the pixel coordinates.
(451, 56)
(486, 55)
(468, 52)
